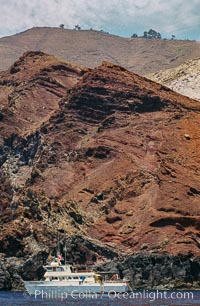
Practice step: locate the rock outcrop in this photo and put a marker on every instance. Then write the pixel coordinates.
(158, 271)
(183, 79)
(104, 157)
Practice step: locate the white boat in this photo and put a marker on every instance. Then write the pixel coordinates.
(62, 279)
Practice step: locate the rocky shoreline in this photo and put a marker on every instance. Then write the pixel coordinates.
(145, 271)
(161, 271)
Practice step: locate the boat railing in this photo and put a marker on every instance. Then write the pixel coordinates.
(34, 282)
(116, 281)
(84, 271)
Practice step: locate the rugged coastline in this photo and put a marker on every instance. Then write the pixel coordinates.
(145, 271)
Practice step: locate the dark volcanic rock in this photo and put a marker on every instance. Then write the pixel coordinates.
(5, 278)
(157, 271)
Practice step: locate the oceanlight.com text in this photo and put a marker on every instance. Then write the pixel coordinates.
(152, 295)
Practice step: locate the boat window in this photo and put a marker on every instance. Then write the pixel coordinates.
(54, 278)
(59, 269)
(49, 269)
(69, 277)
(76, 277)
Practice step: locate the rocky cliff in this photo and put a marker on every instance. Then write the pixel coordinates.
(104, 157)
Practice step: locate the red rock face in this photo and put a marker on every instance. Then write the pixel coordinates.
(30, 91)
(109, 155)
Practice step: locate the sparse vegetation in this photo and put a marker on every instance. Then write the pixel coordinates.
(152, 34)
(146, 34)
(134, 35)
(156, 35)
(77, 27)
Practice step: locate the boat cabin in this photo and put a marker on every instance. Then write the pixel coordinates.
(56, 271)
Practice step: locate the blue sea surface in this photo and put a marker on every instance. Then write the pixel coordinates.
(23, 299)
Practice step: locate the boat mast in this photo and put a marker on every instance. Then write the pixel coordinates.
(58, 245)
(65, 250)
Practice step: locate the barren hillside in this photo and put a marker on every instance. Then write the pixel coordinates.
(90, 48)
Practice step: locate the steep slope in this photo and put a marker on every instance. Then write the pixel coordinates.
(30, 90)
(114, 169)
(183, 79)
(130, 153)
(90, 48)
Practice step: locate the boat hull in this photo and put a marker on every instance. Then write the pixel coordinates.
(57, 289)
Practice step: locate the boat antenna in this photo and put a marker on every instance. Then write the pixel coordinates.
(65, 250)
(58, 245)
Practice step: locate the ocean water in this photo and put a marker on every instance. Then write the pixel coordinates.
(148, 299)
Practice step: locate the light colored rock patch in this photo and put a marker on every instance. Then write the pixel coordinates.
(184, 79)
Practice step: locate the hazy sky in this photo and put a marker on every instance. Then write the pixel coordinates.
(121, 17)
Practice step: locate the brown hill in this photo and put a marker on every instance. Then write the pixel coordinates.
(113, 162)
(183, 79)
(90, 48)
